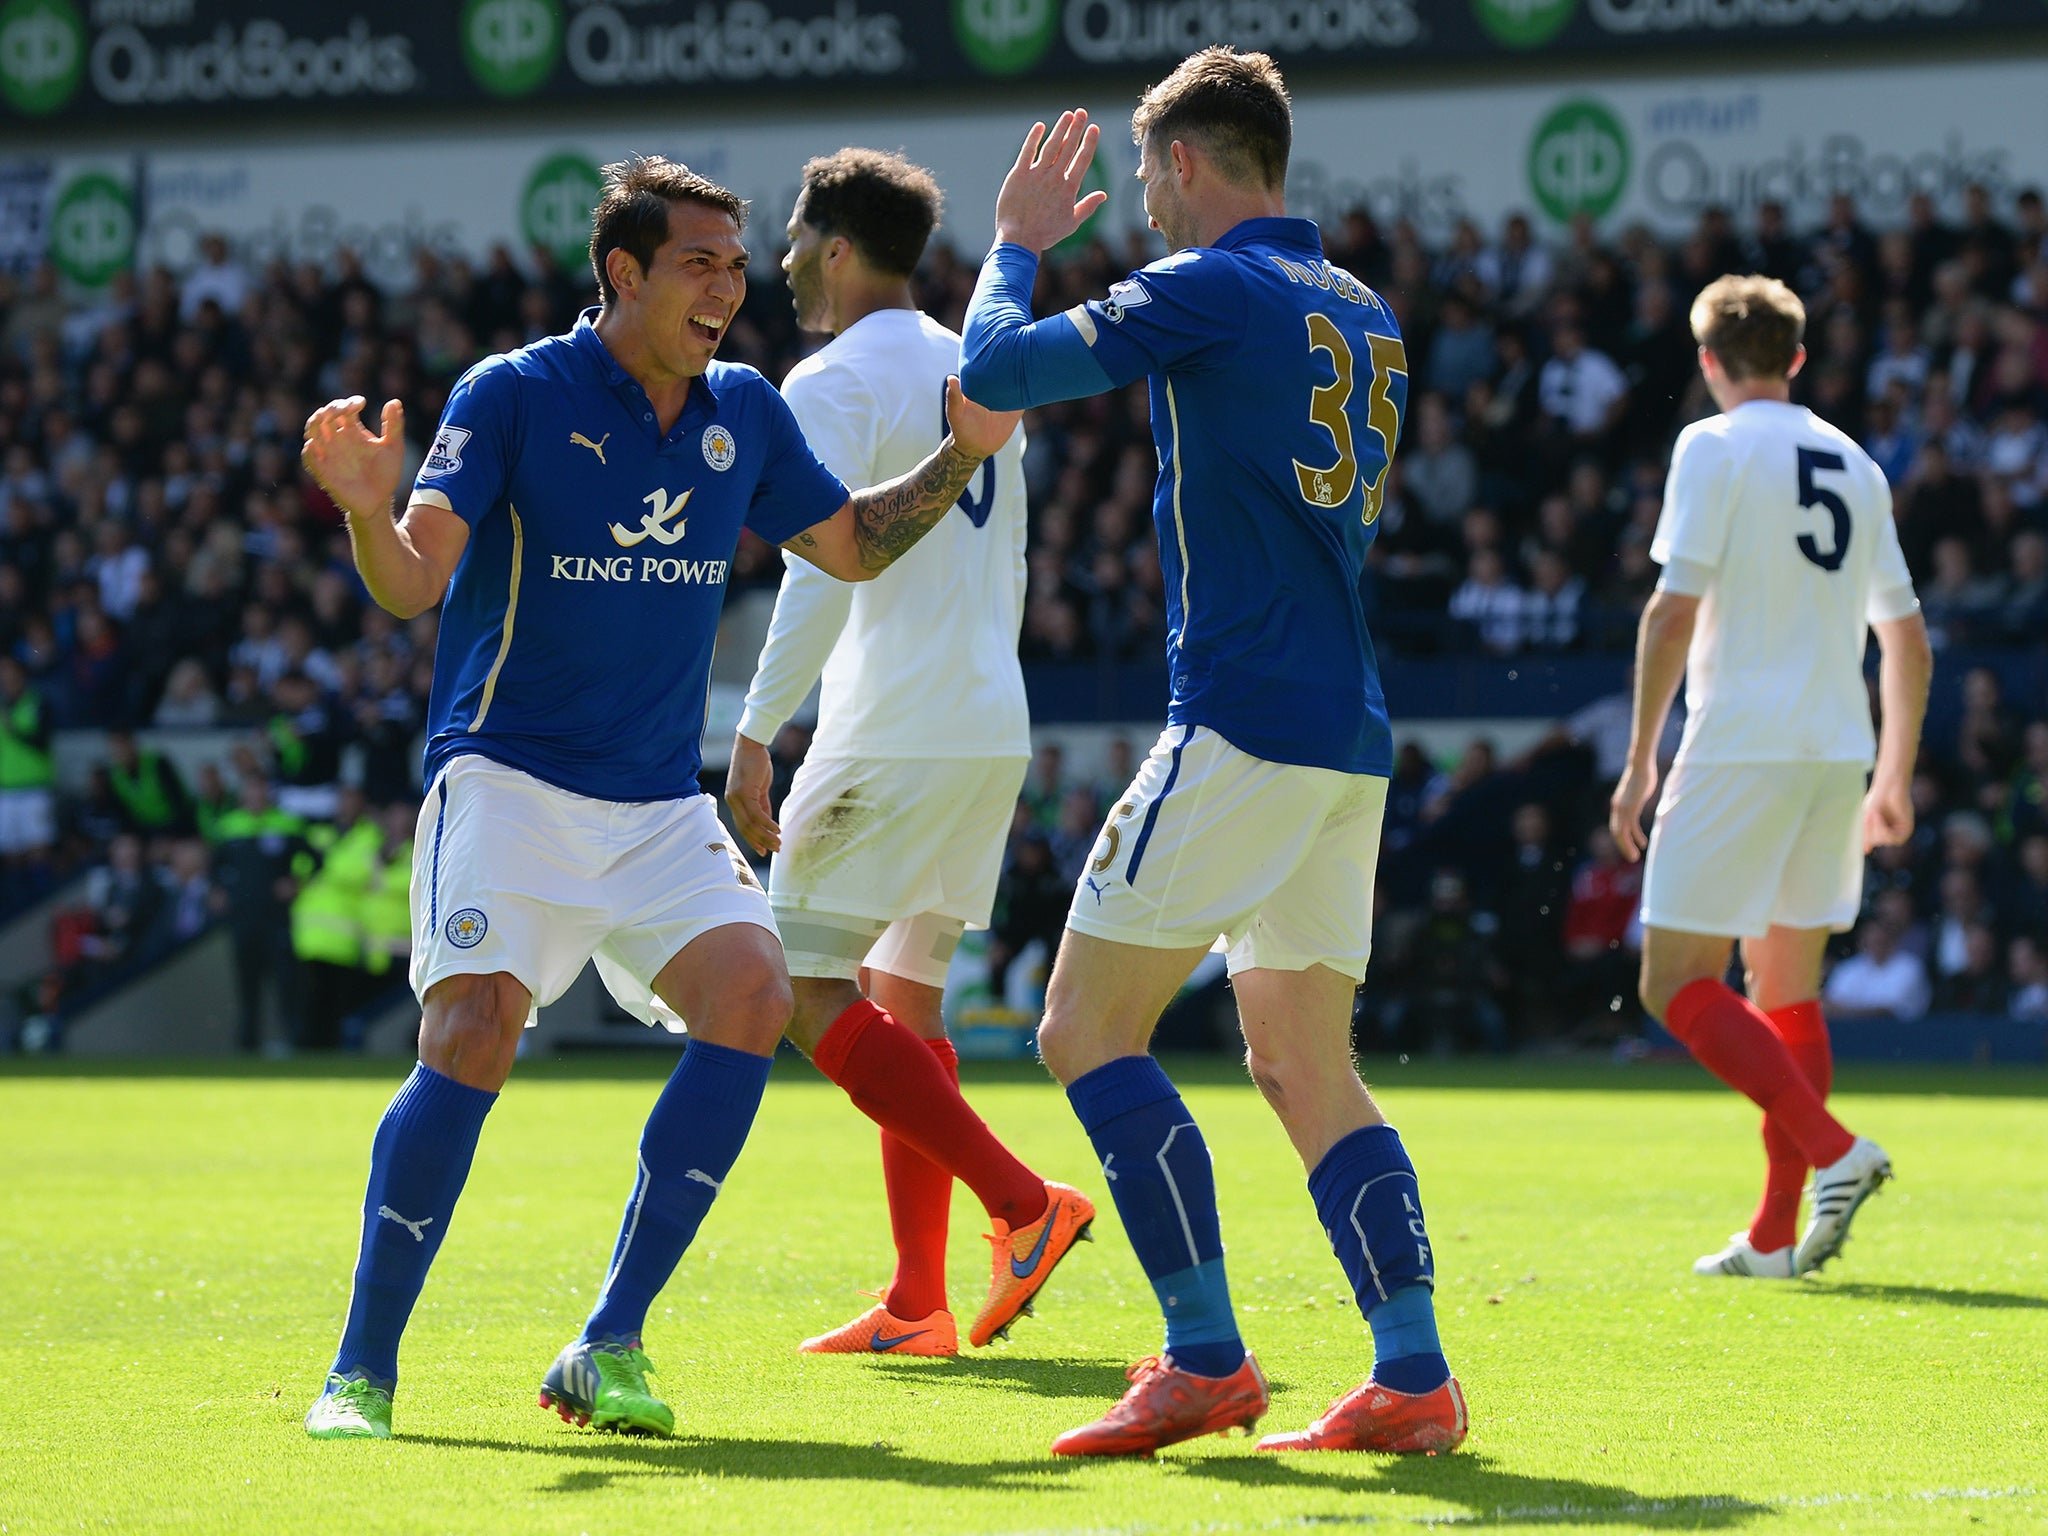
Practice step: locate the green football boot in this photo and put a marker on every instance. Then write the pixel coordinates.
(352, 1408)
(604, 1384)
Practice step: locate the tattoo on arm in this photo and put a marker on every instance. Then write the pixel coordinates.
(888, 519)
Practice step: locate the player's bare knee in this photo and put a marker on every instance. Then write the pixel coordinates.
(470, 1028)
(754, 1012)
(1268, 1076)
(1067, 1047)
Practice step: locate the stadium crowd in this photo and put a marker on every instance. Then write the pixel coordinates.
(164, 564)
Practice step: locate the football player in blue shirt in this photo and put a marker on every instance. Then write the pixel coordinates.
(1277, 384)
(579, 509)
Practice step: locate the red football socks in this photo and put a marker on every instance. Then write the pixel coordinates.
(920, 1202)
(1737, 1044)
(894, 1079)
(1804, 1030)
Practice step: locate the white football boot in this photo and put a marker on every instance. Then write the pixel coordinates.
(1748, 1263)
(1839, 1190)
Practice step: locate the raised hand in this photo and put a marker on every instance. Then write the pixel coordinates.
(1040, 203)
(359, 471)
(977, 430)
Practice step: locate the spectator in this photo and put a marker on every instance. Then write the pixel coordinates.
(1601, 937)
(1880, 980)
(218, 279)
(1581, 389)
(333, 876)
(1979, 986)
(1045, 786)
(1448, 977)
(189, 700)
(190, 902)
(124, 897)
(1531, 905)
(1074, 832)
(305, 748)
(1438, 473)
(2028, 974)
(1490, 603)
(256, 846)
(1030, 914)
(148, 787)
(28, 814)
(1550, 608)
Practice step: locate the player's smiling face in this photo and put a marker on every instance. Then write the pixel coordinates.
(692, 288)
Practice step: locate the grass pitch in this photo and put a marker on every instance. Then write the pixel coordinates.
(174, 1257)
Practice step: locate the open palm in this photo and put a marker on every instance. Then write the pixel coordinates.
(359, 470)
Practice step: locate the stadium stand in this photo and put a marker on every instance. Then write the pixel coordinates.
(164, 566)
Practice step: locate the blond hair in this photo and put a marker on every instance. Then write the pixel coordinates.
(1754, 325)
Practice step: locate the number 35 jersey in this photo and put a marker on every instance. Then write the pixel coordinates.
(1278, 384)
(1782, 527)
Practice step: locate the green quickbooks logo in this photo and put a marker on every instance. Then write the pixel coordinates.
(42, 53)
(554, 210)
(1578, 160)
(511, 45)
(1005, 37)
(92, 229)
(1523, 23)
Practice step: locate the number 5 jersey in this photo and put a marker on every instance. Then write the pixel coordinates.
(1782, 527)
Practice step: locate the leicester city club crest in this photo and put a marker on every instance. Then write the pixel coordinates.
(466, 929)
(720, 451)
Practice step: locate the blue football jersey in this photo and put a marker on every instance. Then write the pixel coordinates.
(1278, 385)
(576, 635)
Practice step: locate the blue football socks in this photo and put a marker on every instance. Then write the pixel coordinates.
(692, 1139)
(1159, 1173)
(1371, 1207)
(419, 1162)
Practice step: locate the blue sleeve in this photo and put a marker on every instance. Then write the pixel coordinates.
(794, 491)
(468, 469)
(1175, 314)
(1008, 361)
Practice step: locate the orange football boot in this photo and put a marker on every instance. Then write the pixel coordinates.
(1377, 1418)
(1167, 1405)
(1024, 1259)
(879, 1331)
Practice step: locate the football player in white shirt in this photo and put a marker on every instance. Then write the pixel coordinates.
(893, 831)
(1779, 555)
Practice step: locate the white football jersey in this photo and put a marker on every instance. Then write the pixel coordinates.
(921, 662)
(1782, 526)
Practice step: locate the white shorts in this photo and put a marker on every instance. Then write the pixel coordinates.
(28, 820)
(1208, 841)
(512, 874)
(885, 862)
(1741, 847)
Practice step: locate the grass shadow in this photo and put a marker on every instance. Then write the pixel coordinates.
(608, 1459)
(1490, 1495)
(1956, 1296)
(1039, 1376)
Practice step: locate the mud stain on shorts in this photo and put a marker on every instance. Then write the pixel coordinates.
(828, 837)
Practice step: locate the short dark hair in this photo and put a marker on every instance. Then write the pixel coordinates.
(885, 205)
(1234, 104)
(1753, 324)
(632, 210)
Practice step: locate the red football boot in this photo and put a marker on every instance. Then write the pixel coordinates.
(1166, 1405)
(1377, 1418)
